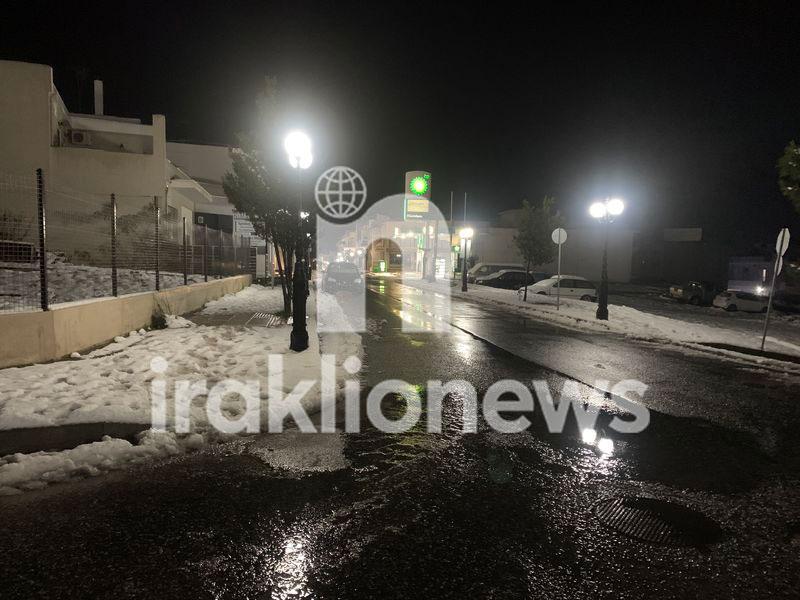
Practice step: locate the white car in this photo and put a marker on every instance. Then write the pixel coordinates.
(745, 301)
(572, 286)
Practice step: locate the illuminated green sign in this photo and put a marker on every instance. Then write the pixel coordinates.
(419, 185)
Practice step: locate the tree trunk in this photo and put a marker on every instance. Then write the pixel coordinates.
(527, 276)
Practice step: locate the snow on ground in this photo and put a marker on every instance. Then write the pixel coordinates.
(113, 384)
(345, 342)
(19, 288)
(252, 299)
(623, 320)
(20, 472)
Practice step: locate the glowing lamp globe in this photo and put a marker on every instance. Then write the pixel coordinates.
(615, 206)
(298, 148)
(598, 210)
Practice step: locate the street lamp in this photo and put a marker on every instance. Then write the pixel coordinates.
(605, 212)
(465, 234)
(298, 149)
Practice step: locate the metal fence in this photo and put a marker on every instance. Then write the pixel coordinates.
(60, 246)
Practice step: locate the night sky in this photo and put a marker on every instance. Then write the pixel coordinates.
(681, 111)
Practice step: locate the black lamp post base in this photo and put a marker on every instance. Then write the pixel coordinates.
(298, 340)
(602, 313)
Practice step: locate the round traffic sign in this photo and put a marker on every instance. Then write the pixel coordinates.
(559, 236)
(782, 243)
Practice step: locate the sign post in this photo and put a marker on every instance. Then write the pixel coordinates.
(781, 244)
(559, 236)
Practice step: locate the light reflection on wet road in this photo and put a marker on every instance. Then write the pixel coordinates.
(414, 515)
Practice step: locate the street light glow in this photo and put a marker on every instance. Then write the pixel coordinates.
(615, 206)
(298, 148)
(598, 210)
(305, 161)
(466, 233)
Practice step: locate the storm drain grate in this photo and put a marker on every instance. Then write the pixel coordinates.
(657, 521)
(265, 319)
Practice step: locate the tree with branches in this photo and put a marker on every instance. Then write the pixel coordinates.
(536, 224)
(259, 187)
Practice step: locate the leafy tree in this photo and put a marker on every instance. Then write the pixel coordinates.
(789, 174)
(260, 187)
(536, 224)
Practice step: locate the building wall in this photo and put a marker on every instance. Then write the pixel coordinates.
(25, 94)
(205, 163)
(30, 108)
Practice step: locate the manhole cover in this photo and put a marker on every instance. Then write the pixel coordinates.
(264, 320)
(657, 521)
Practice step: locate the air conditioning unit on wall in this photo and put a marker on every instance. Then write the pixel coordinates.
(80, 138)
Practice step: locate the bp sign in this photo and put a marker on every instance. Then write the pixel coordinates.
(417, 195)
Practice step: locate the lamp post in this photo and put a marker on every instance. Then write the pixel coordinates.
(605, 212)
(465, 234)
(298, 150)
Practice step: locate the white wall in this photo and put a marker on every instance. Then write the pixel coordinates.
(205, 163)
(25, 92)
(29, 109)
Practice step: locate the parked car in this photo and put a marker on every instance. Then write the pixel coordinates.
(341, 275)
(484, 269)
(508, 279)
(572, 286)
(694, 292)
(745, 301)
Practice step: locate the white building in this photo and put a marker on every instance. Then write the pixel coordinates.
(85, 155)
(207, 164)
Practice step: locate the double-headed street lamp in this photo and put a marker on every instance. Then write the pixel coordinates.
(605, 212)
(298, 149)
(466, 235)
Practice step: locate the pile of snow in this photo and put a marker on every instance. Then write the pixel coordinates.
(20, 472)
(341, 338)
(177, 322)
(256, 298)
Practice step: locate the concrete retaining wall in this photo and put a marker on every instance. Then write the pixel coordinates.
(36, 337)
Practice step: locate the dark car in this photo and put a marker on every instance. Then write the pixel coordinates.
(341, 275)
(694, 292)
(507, 279)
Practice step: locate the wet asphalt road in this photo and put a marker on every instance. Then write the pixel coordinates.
(414, 515)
